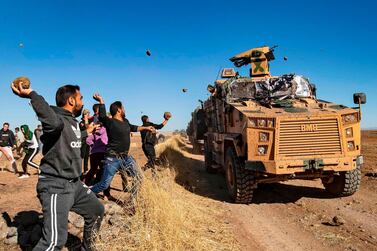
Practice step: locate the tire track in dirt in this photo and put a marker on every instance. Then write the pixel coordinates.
(293, 215)
(271, 229)
(360, 218)
(274, 224)
(263, 226)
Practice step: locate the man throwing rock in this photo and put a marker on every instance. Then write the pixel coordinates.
(117, 151)
(59, 187)
(149, 139)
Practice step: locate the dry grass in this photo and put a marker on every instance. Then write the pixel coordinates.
(168, 217)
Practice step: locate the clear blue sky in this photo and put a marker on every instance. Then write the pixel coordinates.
(100, 45)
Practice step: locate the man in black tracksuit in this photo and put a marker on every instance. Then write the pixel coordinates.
(149, 140)
(59, 187)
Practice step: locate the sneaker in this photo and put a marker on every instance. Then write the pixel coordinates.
(24, 176)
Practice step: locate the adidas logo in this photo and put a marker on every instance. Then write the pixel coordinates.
(76, 131)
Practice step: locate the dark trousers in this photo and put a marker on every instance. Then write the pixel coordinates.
(58, 197)
(85, 150)
(28, 159)
(96, 168)
(150, 153)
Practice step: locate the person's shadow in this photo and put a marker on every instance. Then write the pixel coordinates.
(29, 230)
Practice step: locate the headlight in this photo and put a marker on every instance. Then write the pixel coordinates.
(270, 123)
(349, 132)
(262, 150)
(350, 118)
(263, 137)
(350, 145)
(252, 122)
(262, 122)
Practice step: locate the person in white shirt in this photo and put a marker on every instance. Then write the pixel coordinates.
(31, 149)
(19, 141)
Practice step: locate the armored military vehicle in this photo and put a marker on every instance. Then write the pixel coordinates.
(196, 129)
(265, 129)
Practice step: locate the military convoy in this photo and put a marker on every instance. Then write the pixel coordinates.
(265, 129)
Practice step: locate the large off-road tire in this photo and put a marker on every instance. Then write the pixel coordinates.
(240, 182)
(344, 184)
(208, 159)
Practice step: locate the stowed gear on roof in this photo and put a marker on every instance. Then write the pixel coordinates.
(268, 90)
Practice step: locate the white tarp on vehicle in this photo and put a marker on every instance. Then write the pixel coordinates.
(266, 91)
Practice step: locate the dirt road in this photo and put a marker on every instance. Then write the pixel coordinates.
(294, 215)
(285, 216)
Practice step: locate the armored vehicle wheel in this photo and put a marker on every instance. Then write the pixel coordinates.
(240, 182)
(345, 184)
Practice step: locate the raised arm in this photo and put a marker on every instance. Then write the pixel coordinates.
(102, 117)
(167, 116)
(51, 122)
(134, 128)
(160, 126)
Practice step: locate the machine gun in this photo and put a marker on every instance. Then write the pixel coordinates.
(258, 58)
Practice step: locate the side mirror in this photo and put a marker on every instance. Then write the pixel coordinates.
(359, 98)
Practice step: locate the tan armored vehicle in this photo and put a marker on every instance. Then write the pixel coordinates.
(196, 129)
(265, 129)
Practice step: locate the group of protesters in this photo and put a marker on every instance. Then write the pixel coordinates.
(95, 149)
(23, 141)
(102, 139)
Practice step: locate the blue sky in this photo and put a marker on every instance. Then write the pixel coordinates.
(100, 45)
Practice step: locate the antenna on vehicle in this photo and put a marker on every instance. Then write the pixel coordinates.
(201, 103)
(219, 72)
